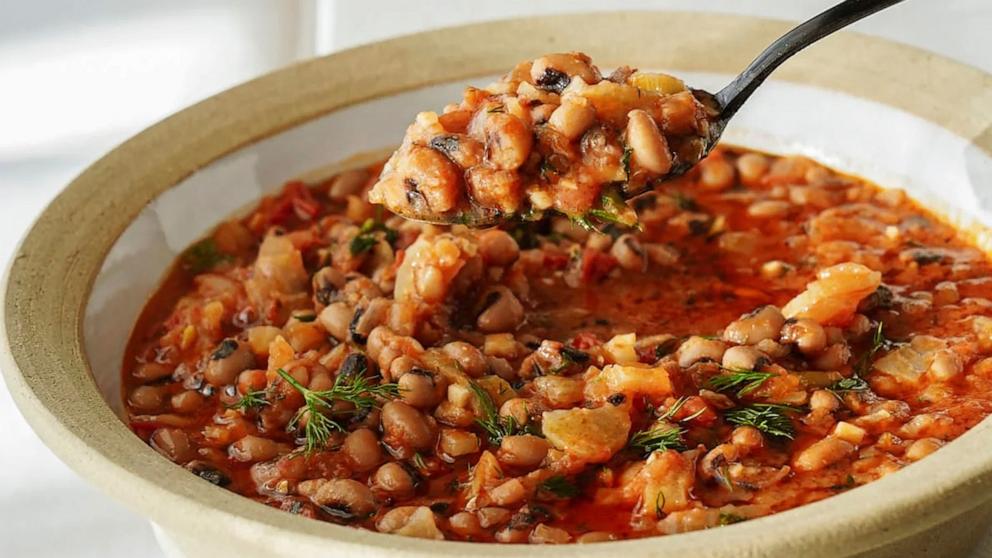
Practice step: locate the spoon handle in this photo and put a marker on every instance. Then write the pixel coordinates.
(736, 92)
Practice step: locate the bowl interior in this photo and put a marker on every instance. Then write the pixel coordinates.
(883, 144)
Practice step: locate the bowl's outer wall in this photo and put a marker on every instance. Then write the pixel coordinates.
(51, 276)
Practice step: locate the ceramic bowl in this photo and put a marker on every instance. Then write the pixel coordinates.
(902, 117)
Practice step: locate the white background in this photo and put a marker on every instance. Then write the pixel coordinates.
(78, 77)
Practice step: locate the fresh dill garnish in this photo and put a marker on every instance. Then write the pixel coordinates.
(418, 461)
(856, 382)
(674, 408)
(730, 518)
(496, 427)
(583, 222)
(613, 210)
(203, 256)
(367, 237)
(253, 399)
(658, 438)
(769, 418)
(744, 381)
(559, 486)
(355, 389)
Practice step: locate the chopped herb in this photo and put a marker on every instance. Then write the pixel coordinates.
(744, 381)
(253, 399)
(625, 161)
(367, 238)
(559, 486)
(496, 427)
(675, 407)
(769, 418)
(584, 222)
(418, 461)
(863, 367)
(613, 210)
(658, 438)
(203, 256)
(357, 390)
(224, 350)
(496, 109)
(305, 318)
(846, 485)
(575, 354)
(730, 518)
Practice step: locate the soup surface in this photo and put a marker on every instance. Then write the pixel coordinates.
(775, 333)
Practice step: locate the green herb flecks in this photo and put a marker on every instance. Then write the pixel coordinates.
(658, 438)
(368, 236)
(625, 161)
(857, 382)
(744, 381)
(203, 256)
(250, 401)
(495, 426)
(559, 486)
(730, 518)
(683, 202)
(769, 418)
(613, 210)
(355, 389)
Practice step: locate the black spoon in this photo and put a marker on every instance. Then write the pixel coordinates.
(721, 106)
(725, 103)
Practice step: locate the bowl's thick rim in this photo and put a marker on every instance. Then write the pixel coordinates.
(50, 278)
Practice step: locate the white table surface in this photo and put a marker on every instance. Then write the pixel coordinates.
(47, 511)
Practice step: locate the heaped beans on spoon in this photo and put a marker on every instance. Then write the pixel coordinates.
(553, 135)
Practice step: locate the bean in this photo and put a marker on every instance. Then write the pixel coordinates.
(752, 167)
(504, 311)
(151, 371)
(823, 401)
(457, 443)
(543, 534)
(492, 516)
(946, 365)
(508, 140)
(336, 318)
(649, 148)
(570, 64)
(922, 448)
(833, 357)
(594, 537)
(743, 357)
(419, 388)
(362, 449)
(404, 426)
(367, 318)
(822, 454)
(147, 398)
(229, 360)
(260, 337)
(187, 402)
(494, 188)
(394, 479)
(508, 493)
(747, 437)
(498, 248)
(517, 408)
(698, 348)
(345, 494)
(763, 323)
(173, 444)
(716, 173)
(251, 449)
(768, 209)
(465, 524)
(573, 117)
(525, 451)
(471, 359)
(806, 334)
(629, 253)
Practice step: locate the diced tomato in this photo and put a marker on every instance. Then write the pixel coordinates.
(586, 340)
(596, 265)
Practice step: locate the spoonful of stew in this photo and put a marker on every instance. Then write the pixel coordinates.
(556, 135)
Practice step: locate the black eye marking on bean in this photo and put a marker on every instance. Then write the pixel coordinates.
(354, 364)
(355, 336)
(445, 144)
(226, 349)
(553, 80)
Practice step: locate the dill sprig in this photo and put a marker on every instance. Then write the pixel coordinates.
(863, 367)
(659, 438)
(559, 486)
(769, 418)
(353, 388)
(367, 238)
(252, 400)
(675, 407)
(203, 256)
(744, 381)
(496, 427)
